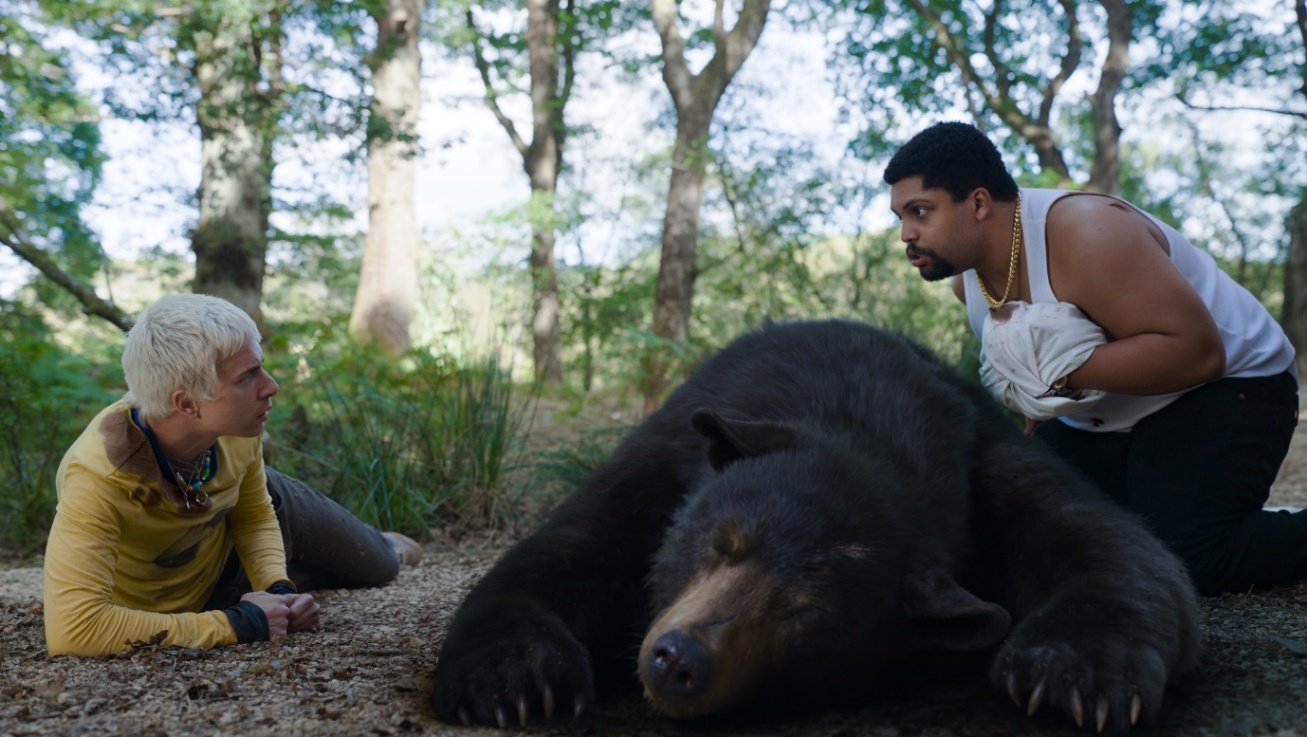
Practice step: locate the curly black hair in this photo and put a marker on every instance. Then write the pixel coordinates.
(956, 157)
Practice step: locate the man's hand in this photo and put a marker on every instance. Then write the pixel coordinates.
(275, 610)
(305, 614)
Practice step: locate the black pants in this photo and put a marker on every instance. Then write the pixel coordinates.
(1199, 470)
(327, 547)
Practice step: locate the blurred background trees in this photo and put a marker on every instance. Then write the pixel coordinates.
(691, 169)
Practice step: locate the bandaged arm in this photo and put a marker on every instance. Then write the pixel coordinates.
(1028, 351)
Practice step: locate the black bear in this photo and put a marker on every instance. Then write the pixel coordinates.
(816, 501)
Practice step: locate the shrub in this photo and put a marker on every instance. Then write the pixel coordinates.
(47, 395)
(407, 446)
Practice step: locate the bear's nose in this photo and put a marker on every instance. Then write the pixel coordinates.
(678, 665)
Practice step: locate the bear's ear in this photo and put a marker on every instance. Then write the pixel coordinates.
(945, 616)
(732, 440)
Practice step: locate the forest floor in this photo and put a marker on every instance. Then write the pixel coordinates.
(368, 672)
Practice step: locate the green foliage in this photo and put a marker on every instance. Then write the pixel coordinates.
(745, 282)
(1211, 47)
(50, 156)
(408, 446)
(437, 440)
(865, 278)
(583, 28)
(779, 257)
(894, 70)
(569, 464)
(47, 395)
(608, 309)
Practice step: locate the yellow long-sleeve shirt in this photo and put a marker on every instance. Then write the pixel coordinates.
(126, 559)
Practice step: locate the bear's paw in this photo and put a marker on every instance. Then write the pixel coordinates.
(533, 671)
(1108, 683)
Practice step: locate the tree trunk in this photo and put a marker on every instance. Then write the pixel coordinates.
(1294, 317)
(546, 324)
(674, 293)
(1105, 175)
(388, 282)
(695, 97)
(542, 160)
(230, 238)
(551, 75)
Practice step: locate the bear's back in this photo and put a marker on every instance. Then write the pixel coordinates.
(840, 376)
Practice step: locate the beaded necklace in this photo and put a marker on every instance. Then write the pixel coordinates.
(202, 471)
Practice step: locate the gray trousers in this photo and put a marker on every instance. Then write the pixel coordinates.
(327, 547)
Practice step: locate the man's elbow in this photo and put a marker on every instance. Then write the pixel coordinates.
(62, 638)
(84, 649)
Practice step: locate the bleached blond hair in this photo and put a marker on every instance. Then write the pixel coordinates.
(177, 343)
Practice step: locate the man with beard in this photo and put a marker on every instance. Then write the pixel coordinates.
(1195, 383)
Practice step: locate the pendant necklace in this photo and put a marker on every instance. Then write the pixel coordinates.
(201, 471)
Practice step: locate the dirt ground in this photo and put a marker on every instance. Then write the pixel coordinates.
(367, 672)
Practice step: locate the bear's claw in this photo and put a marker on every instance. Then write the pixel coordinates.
(512, 680)
(1036, 698)
(547, 701)
(1077, 707)
(1109, 713)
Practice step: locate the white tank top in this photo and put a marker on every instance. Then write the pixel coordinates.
(1255, 345)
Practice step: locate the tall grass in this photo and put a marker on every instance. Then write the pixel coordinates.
(408, 450)
(567, 465)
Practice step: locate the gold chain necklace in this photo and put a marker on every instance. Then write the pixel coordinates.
(1017, 239)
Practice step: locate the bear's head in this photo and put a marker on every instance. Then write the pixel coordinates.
(801, 564)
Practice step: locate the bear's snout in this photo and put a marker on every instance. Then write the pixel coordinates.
(679, 665)
(712, 646)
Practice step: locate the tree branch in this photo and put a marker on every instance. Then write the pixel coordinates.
(1002, 75)
(960, 56)
(1070, 62)
(10, 235)
(676, 75)
(1240, 108)
(1300, 9)
(744, 36)
(569, 55)
(492, 97)
(1105, 174)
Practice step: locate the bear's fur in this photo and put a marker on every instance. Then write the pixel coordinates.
(817, 501)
